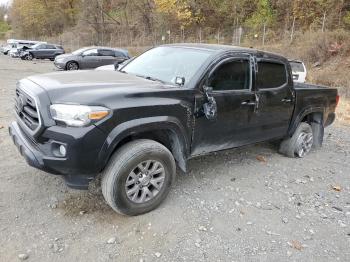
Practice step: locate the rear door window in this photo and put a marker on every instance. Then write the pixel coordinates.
(105, 52)
(271, 75)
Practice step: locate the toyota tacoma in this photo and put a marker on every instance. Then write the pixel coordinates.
(175, 102)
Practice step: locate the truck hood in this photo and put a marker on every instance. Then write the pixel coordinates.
(92, 86)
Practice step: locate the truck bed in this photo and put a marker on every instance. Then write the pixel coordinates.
(309, 97)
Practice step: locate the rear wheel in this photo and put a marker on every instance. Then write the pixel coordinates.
(138, 177)
(72, 65)
(300, 144)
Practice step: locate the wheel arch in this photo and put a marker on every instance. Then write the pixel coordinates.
(164, 130)
(309, 115)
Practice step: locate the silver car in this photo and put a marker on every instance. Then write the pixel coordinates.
(91, 57)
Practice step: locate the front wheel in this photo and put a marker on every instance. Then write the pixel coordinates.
(72, 66)
(138, 177)
(300, 144)
(29, 57)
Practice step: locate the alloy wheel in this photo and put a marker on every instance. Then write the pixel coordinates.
(145, 181)
(304, 144)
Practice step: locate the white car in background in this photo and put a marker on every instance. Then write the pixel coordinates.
(298, 70)
(106, 68)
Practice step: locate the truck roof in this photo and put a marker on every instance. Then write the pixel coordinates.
(225, 48)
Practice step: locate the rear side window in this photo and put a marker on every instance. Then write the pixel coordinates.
(105, 52)
(271, 75)
(50, 47)
(119, 54)
(232, 75)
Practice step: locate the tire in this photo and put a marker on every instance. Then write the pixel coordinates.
(29, 57)
(300, 144)
(72, 66)
(123, 170)
(318, 132)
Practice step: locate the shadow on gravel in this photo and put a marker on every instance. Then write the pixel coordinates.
(92, 202)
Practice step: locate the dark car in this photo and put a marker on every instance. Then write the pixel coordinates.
(168, 105)
(41, 51)
(91, 57)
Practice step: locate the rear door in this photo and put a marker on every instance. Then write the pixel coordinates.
(107, 57)
(276, 99)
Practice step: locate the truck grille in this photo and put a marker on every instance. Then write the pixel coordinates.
(26, 109)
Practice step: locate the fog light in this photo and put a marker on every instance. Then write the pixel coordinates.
(63, 150)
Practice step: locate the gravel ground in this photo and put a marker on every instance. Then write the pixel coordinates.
(248, 204)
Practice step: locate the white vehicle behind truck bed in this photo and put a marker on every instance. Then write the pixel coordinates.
(298, 70)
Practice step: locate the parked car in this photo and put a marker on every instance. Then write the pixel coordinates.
(42, 51)
(91, 57)
(5, 49)
(12, 44)
(299, 71)
(16, 50)
(168, 105)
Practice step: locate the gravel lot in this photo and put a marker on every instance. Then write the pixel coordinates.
(249, 204)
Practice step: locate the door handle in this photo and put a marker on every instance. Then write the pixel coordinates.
(248, 103)
(286, 100)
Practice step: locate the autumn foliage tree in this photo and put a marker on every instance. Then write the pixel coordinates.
(140, 19)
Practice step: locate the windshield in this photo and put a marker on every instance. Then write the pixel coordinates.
(297, 67)
(79, 51)
(167, 63)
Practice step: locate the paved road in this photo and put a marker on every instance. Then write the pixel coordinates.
(249, 204)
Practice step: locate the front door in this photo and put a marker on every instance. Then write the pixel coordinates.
(90, 59)
(231, 83)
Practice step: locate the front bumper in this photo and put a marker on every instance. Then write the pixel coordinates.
(78, 167)
(61, 66)
(14, 55)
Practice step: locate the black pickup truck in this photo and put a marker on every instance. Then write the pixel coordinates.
(172, 103)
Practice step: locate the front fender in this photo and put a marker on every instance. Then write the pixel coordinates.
(137, 126)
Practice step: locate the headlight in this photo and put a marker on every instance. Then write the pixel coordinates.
(78, 115)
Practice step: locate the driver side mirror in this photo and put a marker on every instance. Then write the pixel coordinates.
(210, 109)
(116, 65)
(207, 89)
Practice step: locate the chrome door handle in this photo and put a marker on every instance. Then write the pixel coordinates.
(248, 103)
(286, 100)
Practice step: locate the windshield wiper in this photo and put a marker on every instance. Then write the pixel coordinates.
(152, 79)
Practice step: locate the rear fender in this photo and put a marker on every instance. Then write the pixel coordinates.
(317, 111)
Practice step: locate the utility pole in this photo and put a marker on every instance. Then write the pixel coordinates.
(264, 34)
(324, 22)
(292, 34)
